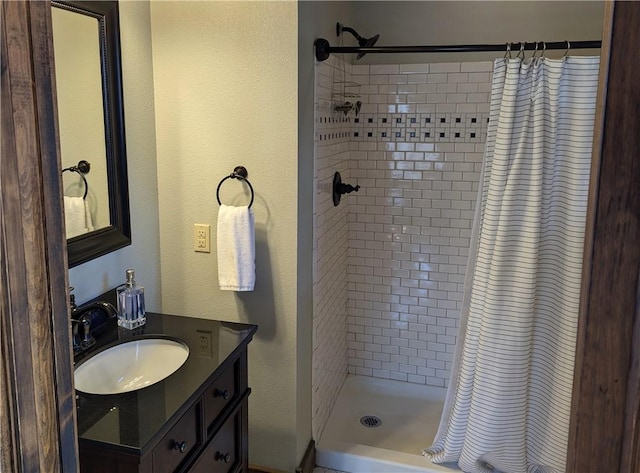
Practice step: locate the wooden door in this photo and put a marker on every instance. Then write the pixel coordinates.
(37, 421)
(605, 426)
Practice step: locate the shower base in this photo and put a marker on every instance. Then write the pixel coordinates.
(410, 414)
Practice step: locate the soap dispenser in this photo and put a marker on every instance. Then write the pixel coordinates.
(131, 303)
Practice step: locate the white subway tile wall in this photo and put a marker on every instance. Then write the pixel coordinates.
(332, 136)
(416, 150)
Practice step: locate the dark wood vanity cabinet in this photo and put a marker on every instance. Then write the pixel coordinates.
(208, 434)
(180, 443)
(226, 450)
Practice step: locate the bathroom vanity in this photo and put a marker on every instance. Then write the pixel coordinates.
(195, 420)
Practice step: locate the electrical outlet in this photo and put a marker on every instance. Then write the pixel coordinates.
(205, 343)
(201, 238)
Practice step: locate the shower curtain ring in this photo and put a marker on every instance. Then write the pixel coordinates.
(507, 54)
(521, 52)
(535, 51)
(567, 51)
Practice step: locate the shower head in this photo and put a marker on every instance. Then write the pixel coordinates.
(363, 42)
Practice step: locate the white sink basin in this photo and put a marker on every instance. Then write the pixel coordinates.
(130, 366)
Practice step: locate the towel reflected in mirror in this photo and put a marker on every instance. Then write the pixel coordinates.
(77, 216)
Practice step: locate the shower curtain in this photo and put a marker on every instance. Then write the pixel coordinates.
(508, 405)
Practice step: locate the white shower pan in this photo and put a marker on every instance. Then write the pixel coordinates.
(410, 414)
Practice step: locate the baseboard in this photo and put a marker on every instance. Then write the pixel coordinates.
(308, 462)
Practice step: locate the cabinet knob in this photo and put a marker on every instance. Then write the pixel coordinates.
(224, 394)
(180, 446)
(223, 457)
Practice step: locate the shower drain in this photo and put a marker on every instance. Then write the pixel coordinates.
(371, 421)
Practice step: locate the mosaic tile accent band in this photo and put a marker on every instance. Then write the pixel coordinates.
(421, 127)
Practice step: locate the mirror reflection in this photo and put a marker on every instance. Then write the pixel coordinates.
(86, 43)
(81, 121)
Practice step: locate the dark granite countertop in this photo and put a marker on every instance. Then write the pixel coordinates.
(134, 421)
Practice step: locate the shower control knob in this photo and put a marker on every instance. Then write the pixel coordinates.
(348, 188)
(340, 188)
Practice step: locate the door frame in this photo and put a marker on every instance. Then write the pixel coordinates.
(605, 423)
(38, 424)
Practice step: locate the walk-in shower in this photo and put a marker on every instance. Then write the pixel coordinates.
(391, 259)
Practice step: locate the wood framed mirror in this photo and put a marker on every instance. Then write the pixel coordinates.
(86, 38)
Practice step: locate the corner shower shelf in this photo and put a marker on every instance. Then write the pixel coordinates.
(350, 90)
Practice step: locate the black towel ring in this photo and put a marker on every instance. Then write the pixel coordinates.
(239, 172)
(83, 167)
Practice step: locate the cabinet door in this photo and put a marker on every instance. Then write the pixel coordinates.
(180, 442)
(225, 451)
(100, 460)
(223, 392)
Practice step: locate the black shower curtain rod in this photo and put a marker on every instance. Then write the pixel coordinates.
(324, 49)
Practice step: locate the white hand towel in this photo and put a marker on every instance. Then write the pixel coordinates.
(77, 217)
(236, 249)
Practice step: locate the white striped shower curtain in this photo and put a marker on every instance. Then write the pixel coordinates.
(508, 405)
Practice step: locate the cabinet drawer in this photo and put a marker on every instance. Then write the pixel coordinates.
(224, 453)
(180, 442)
(223, 392)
